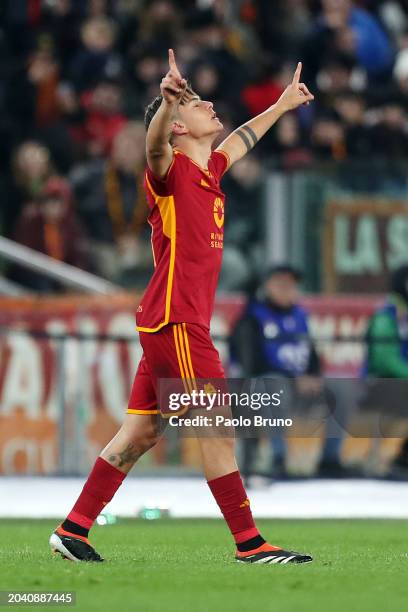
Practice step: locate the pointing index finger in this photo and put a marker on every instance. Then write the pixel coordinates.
(296, 76)
(172, 63)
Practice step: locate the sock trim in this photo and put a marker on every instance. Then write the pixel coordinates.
(251, 543)
(223, 478)
(248, 534)
(61, 531)
(264, 548)
(80, 519)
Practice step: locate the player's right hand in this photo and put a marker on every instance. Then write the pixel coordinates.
(173, 86)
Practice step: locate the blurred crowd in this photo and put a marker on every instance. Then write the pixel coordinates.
(76, 76)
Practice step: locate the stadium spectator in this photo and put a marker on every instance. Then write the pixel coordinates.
(272, 340)
(345, 28)
(205, 80)
(390, 134)
(32, 96)
(328, 138)
(144, 72)
(289, 144)
(351, 108)
(264, 88)
(49, 225)
(60, 25)
(207, 34)
(243, 184)
(336, 74)
(102, 119)
(112, 205)
(160, 21)
(73, 73)
(31, 166)
(280, 25)
(97, 58)
(387, 355)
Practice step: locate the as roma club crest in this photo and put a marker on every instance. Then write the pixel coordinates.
(219, 212)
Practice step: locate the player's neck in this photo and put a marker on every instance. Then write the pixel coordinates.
(198, 151)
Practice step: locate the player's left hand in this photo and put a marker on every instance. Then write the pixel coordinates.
(296, 93)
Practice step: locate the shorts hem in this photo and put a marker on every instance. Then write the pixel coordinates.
(134, 411)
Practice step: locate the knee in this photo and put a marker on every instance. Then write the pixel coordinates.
(146, 440)
(143, 438)
(143, 429)
(130, 443)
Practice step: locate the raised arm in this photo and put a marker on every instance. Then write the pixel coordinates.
(240, 142)
(159, 152)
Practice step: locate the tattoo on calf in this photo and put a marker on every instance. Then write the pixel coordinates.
(248, 136)
(129, 455)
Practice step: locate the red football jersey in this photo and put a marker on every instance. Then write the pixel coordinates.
(187, 221)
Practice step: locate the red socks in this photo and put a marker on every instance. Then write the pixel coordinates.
(102, 484)
(228, 491)
(231, 497)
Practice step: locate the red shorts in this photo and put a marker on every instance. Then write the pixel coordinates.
(179, 350)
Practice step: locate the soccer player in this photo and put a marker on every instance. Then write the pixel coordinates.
(187, 206)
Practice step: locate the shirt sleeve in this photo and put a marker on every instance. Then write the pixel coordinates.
(220, 162)
(163, 186)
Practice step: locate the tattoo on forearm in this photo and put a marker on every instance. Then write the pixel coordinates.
(248, 136)
(129, 455)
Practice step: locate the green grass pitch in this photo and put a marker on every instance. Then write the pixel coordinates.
(187, 566)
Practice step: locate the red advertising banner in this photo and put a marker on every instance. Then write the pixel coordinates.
(62, 400)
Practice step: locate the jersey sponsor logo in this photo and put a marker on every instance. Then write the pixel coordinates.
(219, 212)
(216, 240)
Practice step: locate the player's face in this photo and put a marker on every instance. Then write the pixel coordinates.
(282, 289)
(199, 117)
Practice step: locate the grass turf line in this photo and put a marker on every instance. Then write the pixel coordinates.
(188, 566)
